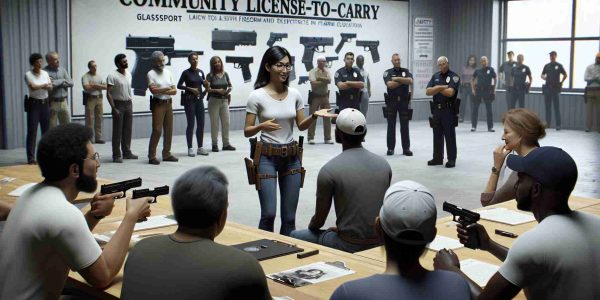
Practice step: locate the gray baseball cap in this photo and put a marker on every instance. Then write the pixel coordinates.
(408, 214)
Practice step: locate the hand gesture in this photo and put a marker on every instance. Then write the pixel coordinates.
(463, 235)
(499, 155)
(102, 205)
(194, 91)
(269, 125)
(446, 260)
(325, 113)
(139, 208)
(116, 112)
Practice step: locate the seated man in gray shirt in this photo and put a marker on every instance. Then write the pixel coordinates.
(357, 180)
(407, 223)
(188, 264)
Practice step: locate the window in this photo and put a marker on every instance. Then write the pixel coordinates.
(569, 27)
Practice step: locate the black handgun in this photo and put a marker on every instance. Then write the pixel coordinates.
(293, 71)
(228, 39)
(330, 59)
(465, 218)
(276, 37)
(302, 79)
(346, 37)
(143, 47)
(240, 62)
(370, 46)
(157, 191)
(122, 186)
(312, 45)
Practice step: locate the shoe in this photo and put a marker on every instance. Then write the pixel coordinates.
(390, 152)
(171, 158)
(31, 162)
(311, 142)
(191, 152)
(434, 162)
(450, 164)
(130, 156)
(100, 142)
(557, 128)
(154, 161)
(587, 130)
(473, 129)
(201, 151)
(228, 148)
(491, 130)
(118, 160)
(407, 153)
(215, 148)
(329, 142)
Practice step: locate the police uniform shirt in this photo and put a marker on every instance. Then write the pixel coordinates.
(344, 74)
(483, 77)
(506, 68)
(552, 71)
(401, 90)
(520, 74)
(451, 79)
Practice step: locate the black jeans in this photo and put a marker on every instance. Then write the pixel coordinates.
(396, 108)
(38, 114)
(517, 96)
(475, 110)
(551, 98)
(194, 109)
(121, 135)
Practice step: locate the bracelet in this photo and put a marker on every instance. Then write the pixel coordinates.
(314, 117)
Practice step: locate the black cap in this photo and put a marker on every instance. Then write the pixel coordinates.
(552, 167)
(510, 52)
(552, 52)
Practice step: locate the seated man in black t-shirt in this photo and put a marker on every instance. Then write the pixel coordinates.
(188, 263)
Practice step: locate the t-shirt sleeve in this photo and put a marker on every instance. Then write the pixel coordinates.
(150, 79)
(494, 73)
(227, 78)
(519, 265)
(299, 101)
(528, 71)
(312, 75)
(340, 293)
(85, 80)
(501, 69)
(359, 76)
(109, 80)
(562, 70)
(409, 74)
(325, 185)
(252, 105)
(337, 77)
(454, 82)
(431, 82)
(74, 240)
(387, 76)
(545, 70)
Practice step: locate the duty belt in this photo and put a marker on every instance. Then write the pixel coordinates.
(61, 99)
(283, 151)
(443, 105)
(38, 101)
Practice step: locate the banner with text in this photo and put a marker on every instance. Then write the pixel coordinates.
(422, 55)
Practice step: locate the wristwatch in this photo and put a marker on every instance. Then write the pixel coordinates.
(314, 117)
(495, 170)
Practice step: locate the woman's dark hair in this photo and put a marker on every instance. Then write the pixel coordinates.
(199, 197)
(469, 58)
(403, 254)
(272, 56)
(61, 147)
(118, 58)
(191, 55)
(213, 61)
(34, 57)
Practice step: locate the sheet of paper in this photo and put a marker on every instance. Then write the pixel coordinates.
(20, 190)
(155, 222)
(311, 274)
(506, 216)
(478, 271)
(440, 242)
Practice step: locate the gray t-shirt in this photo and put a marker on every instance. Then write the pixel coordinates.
(557, 259)
(434, 285)
(283, 111)
(162, 268)
(357, 179)
(88, 78)
(121, 85)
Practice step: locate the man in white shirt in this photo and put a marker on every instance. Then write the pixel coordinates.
(92, 97)
(557, 259)
(46, 235)
(319, 98)
(162, 87)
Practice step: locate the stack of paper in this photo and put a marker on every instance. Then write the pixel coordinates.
(440, 242)
(506, 216)
(478, 271)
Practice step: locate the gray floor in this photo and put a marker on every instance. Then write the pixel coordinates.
(461, 185)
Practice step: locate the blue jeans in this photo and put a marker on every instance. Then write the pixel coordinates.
(289, 191)
(194, 109)
(329, 239)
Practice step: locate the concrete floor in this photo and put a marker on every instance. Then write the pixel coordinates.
(461, 185)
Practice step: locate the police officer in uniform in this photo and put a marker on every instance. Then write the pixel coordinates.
(350, 83)
(483, 84)
(398, 82)
(506, 72)
(520, 84)
(552, 88)
(443, 86)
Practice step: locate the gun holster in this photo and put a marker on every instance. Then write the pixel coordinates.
(457, 106)
(337, 98)
(406, 114)
(310, 97)
(152, 103)
(27, 104)
(254, 177)
(434, 122)
(84, 98)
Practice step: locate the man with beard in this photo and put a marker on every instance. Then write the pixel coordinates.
(557, 259)
(118, 92)
(46, 235)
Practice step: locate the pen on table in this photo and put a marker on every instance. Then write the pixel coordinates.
(505, 233)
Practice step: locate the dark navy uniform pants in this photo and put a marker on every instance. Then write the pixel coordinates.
(444, 130)
(397, 109)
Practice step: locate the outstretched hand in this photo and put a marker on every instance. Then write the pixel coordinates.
(325, 113)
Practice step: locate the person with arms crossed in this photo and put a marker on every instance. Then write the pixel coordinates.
(319, 98)
(61, 82)
(521, 85)
(592, 96)
(350, 83)
(398, 81)
(46, 235)
(92, 92)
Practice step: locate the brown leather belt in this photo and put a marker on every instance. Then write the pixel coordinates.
(170, 100)
(94, 96)
(38, 101)
(281, 151)
(58, 99)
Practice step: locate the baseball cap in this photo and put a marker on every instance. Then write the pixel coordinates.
(550, 166)
(552, 53)
(351, 121)
(408, 213)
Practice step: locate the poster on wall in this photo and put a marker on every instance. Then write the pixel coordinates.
(238, 32)
(422, 55)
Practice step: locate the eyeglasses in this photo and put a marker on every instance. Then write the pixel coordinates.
(95, 157)
(281, 66)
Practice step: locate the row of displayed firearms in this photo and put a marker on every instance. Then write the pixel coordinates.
(124, 186)
(227, 40)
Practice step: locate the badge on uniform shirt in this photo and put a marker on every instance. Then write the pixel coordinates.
(514, 65)
(385, 74)
(448, 79)
(488, 71)
(455, 78)
(354, 74)
(523, 70)
(555, 67)
(403, 74)
(337, 74)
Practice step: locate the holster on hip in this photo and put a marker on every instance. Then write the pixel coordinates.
(310, 97)
(84, 98)
(457, 106)
(406, 115)
(27, 104)
(152, 103)
(434, 122)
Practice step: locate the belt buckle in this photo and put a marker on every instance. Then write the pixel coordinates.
(439, 106)
(284, 151)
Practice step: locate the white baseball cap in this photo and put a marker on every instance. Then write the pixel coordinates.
(351, 121)
(408, 214)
